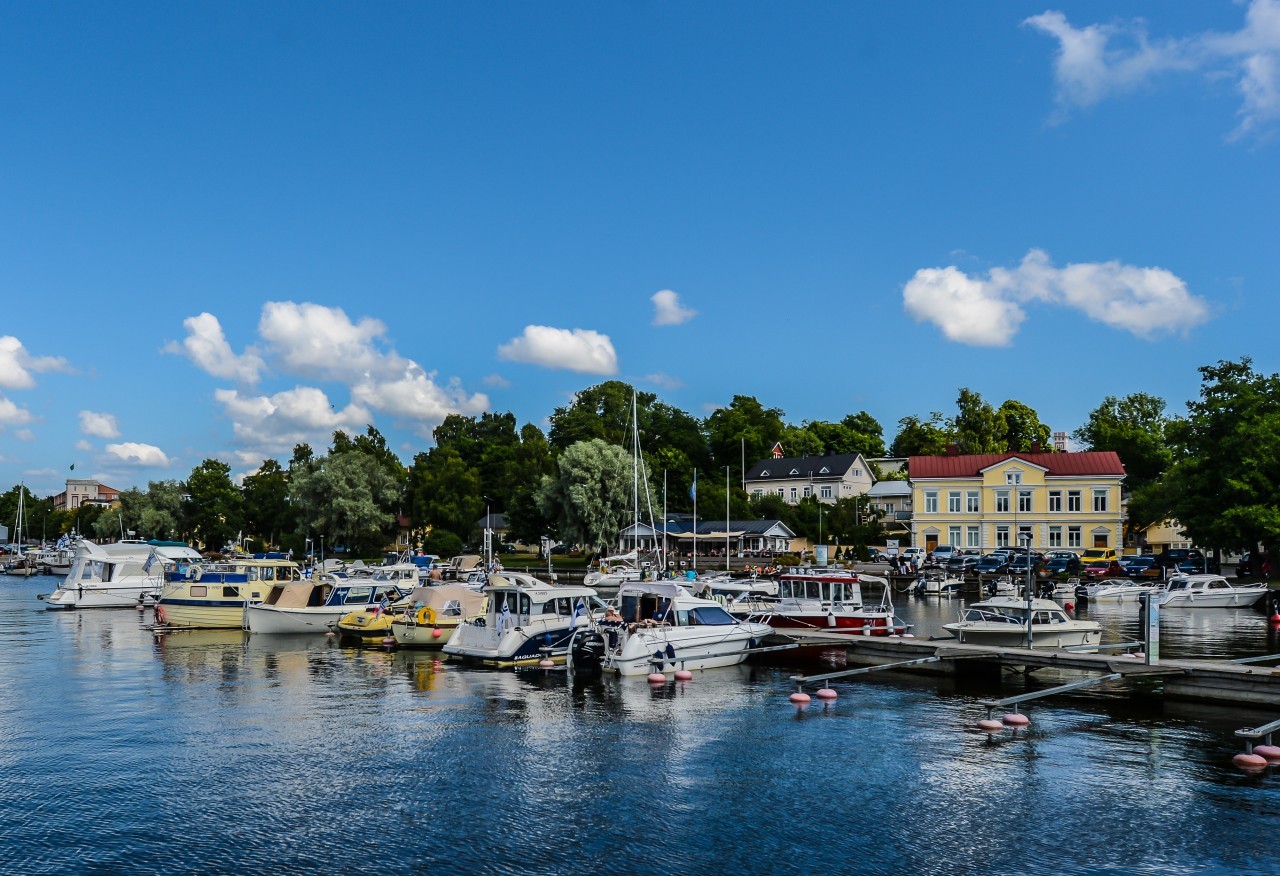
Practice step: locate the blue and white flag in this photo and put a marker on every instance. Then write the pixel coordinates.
(151, 559)
(63, 543)
(504, 617)
(382, 606)
(693, 490)
(579, 610)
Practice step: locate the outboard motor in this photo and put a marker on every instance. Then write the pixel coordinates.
(1046, 588)
(1082, 593)
(586, 652)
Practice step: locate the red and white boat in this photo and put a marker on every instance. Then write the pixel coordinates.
(829, 600)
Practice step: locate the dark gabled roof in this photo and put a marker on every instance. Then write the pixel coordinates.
(1094, 462)
(494, 521)
(802, 467)
(682, 524)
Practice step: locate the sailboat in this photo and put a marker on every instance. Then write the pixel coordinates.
(623, 568)
(19, 563)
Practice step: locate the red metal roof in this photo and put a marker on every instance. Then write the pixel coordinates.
(1094, 462)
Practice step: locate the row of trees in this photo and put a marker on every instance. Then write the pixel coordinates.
(1215, 470)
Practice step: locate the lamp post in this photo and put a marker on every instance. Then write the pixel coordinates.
(726, 518)
(488, 536)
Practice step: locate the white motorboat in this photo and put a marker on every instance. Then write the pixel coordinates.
(940, 585)
(119, 575)
(527, 620)
(1209, 591)
(830, 600)
(615, 571)
(663, 627)
(1002, 622)
(1115, 590)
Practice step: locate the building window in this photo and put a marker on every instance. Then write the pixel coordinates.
(857, 472)
(1024, 535)
(888, 506)
(953, 502)
(1013, 477)
(1073, 537)
(781, 493)
(793, 495)
(1024, 500)
(757, 493)
(1100, 502)
(972, 534)
(1055, 500)
(953, 536)
(1002, 501)
(826, 492)
(1055, 536)
(971, 502)
(808, 491)
(1073, 500)
(1002, 536)
(931, 502)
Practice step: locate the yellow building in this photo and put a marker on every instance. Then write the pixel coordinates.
(989, 501)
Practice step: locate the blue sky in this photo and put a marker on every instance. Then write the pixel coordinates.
(230, 227)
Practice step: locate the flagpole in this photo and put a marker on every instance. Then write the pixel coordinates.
(726, 518)
(665, 558)
(695, 520)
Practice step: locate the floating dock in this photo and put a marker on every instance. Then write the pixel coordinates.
(1215, 681)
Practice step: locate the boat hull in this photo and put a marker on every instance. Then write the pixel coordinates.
(684, 648)
(271, 620)
(1214, 600)
(416, 635)
(1016, 636)
(127, 596)
(196, 616)
(871, 624)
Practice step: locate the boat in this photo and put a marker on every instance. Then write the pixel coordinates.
(1209, 591)
(1113, 590)
(829, 600)
(18, 561)
(57, 560)
(526, 621)
(120, 574)
(214, 595)
(370, 619)
(940, 584)
(615, 571)
(433, 613)
(741, 597)
(661, 627)
(1001, 621)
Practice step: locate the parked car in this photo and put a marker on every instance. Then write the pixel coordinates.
(993, 564)
(1021, 564)
(1062, 563)
(1174, 557)
(944, 552)
(1144, 566)
(962, 564)
(1200, 566)
(1103, 569)
(1094, 555)
(1244, 569)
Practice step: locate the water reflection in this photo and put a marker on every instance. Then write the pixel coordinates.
(165, 754)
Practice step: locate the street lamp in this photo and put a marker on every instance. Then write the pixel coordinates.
(488, 535)
(1025, 539)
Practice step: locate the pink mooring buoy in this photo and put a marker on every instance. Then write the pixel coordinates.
(826, 693)
(330, 634)
(546, 663)
(657, 678)
(1270, 752)
(1275, 618)
(437, 633)
(388, 640)
(1069, 606)
(683, 675)
(799, 698)
(1249, 761)
(990, 725)
(1017, 719)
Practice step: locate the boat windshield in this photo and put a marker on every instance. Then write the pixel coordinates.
(705, 615)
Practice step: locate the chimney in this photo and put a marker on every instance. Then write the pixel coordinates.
(1035, 447)
(953, 450)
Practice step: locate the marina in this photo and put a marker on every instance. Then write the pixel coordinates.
(528, 766)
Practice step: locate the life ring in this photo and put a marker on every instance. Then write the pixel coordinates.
(193, 573)
(427, 615)
(160, 616)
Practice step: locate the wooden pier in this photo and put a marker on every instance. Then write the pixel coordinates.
(1214, 681)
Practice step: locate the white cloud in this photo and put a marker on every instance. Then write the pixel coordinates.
(311, 340)
(667, 309)
(267, 426)
(1146, 302)
(83, 445)
(666, 381)
(1100, 60)
(415, 396)
(12, 415)
(207, 347)
(138, 455)
(16, 364)
(581, 350)
(99, 425)
(25, 435)
(497, 381)
(42, 473)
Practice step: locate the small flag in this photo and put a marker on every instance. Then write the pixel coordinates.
(504, 617)
(151, 558)
(73, 466)
(578, 611)
(693, 490)
(382, 606)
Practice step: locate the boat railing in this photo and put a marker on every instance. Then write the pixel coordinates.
(981, 615)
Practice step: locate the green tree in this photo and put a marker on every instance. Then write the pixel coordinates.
(1023, 430)
(977, 426)
(602, 411)
(918, 437)
(267, 512)
(590, 495)
(216, 509)
(444, 492)
(1135, 428)
(347, 497)
(745, 426)
(1224, 484)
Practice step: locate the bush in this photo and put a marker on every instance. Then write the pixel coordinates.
(443, 542)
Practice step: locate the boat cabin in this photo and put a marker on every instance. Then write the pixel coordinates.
(298, 594)
(801, 587)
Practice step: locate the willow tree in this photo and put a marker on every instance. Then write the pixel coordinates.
(590, 496)
(347, 496)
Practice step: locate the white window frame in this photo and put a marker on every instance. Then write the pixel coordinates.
(953, 536)
(1013, 478)
(974, 536)
(931, 501)
(1024, 501)
(1002, 501)
(826, 491)
(1055, 501)
(1002, 536)
(1075, 536)
(1100, 498)
(953, 502)
(1055, 536)
(1074, 502)
(971, 502)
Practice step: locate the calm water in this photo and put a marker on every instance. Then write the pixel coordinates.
(216, 753)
